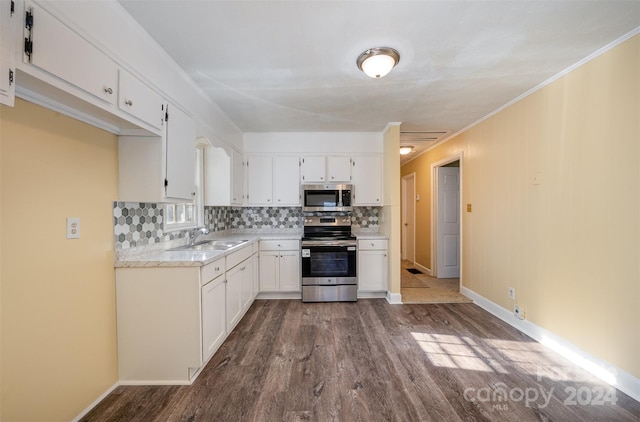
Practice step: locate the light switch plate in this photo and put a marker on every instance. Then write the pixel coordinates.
(73, 228)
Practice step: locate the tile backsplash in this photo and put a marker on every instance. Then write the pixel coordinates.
(140, 224)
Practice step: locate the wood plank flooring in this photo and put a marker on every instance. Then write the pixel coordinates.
(372, 361)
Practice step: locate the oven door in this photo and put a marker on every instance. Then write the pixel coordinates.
(324, 263)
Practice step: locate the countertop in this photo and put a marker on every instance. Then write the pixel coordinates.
(158, 255)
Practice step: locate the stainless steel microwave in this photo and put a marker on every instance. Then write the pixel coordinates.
(327, 197)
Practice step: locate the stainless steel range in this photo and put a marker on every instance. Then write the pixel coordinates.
(329, 260)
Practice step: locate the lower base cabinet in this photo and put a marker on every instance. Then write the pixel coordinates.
(171, 320)
(372, 265)
(280, 266)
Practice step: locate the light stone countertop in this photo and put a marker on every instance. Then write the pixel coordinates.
(157, 255)
(367, 235)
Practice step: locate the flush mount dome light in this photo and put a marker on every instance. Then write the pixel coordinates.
(377, 62)
(406, 149)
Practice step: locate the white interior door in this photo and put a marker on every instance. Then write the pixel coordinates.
(448, 218)
(408, 218)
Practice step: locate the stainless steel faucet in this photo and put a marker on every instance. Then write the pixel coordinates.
(194, 233)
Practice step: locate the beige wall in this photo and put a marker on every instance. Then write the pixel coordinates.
(554, 181)
(391, 209)
(58, 301)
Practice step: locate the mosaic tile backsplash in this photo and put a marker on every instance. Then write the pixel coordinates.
(140, 224)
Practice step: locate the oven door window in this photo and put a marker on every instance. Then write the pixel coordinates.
(329, 262)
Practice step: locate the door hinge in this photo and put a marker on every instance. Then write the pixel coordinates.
(166, 183)
(28, 23)
(13, 7)
(10, 77)
(28, 19)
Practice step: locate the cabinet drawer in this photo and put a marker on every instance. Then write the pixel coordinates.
(212, 271)
(372, 244)
(237, 257)
(279, 245)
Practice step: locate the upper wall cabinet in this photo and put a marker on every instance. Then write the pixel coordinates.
(139, 101)
(9, 29)
(53, 47)
(321, 169)
(237, 179)
(367, 180)
(159, 168)
(273, 181)
(217, 177)
(63, 70)
(181, 155)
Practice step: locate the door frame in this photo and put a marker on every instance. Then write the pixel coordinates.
(412, 203)
(434, 211)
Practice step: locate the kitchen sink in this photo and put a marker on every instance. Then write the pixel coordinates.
(210, 245)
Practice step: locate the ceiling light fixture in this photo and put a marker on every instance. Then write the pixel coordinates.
(406, 149)
(377, 62)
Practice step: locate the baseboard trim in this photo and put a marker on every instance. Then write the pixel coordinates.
(600, 368)
(424, 269)
(95, 402)
(372, 295)
(394, 298)
(279, 295)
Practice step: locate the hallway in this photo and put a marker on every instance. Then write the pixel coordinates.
(422, 288)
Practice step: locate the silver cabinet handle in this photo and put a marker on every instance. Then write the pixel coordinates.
(108, 90)
(128, 102)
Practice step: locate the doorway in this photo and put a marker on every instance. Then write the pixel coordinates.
(446, 224)
(409, 218)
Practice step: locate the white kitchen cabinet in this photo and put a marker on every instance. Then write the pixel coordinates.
(237, 179)
(9, 30)
(372, 265)
(273, 180)
(255, 266)
(213, 297)
(280, 266)
(323, 169)
(367, 180)
(217, 177)
(138, 100)
(159, 169)
(247, 295)
(59, 51)
(338, 169)
(286, 181)
(259, 180)
(313, 169)
(234, 296)
(159, 324)
(181, 154)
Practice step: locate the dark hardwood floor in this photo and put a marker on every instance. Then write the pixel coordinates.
(372, 361)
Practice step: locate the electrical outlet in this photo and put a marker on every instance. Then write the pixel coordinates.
(518, 312)
(512, 293)
(73, 228)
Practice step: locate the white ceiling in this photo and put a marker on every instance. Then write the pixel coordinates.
(290, 66)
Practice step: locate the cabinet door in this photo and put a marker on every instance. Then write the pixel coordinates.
(255, 274)
(338, 169)
(313, 169)
(259, 180)
(247, 284)
(181, 155)
(286, 181)
(217, 177)
(9, 28)
(269, 271)
(63, 53)
(372, 270)
(234, 296)
(237, 179)
(367, 180)
(140, 101)
(290, 271)
(213, 316)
